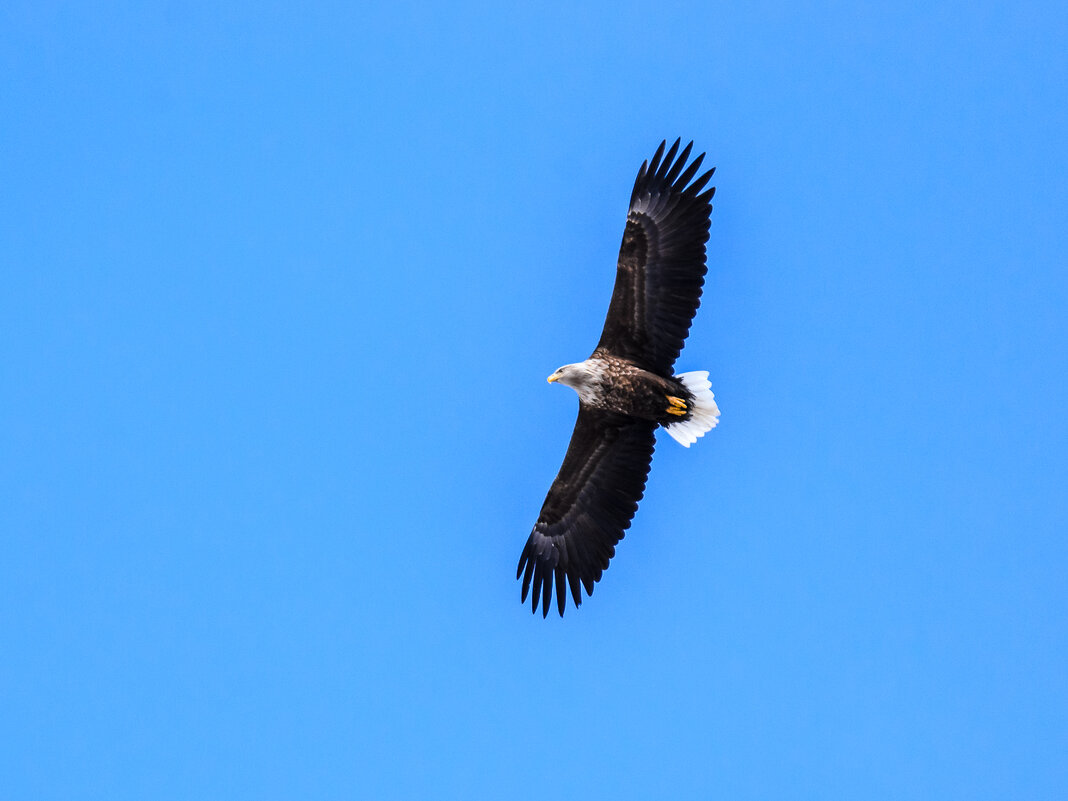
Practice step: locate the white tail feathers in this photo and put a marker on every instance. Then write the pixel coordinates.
(705, 411)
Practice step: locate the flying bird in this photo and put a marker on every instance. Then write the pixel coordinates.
(627, 388)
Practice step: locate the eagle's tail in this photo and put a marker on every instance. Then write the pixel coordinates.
(705, 413)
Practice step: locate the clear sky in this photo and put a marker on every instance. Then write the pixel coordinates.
(281, 285)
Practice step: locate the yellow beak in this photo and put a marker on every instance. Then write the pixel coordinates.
(552, 378)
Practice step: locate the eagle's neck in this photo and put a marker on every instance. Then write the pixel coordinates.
(585, 379)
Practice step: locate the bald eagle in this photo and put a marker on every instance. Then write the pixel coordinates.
(627, 387)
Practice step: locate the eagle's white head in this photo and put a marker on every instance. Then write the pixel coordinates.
(581, 377)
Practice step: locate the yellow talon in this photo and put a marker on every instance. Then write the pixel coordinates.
(678, 403)
(673, 410)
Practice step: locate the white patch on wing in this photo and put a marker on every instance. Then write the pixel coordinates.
(705, 413)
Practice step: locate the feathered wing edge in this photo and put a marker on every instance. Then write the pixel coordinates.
(666, 171)
(661, 265)
(588, 508)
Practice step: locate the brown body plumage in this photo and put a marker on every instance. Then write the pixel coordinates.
(625, 388)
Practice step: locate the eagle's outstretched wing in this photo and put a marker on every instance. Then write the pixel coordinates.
(589, 506)
(661, 265)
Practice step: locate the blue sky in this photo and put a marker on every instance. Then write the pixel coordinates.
(281, 287)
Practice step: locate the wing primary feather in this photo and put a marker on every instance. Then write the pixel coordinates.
(528, 574)
(561, 591)
(535, 594)
(679, 163)
(669, 157)
(654, 165)
(691, 171)
(523, 559)
(699, 184)
(576, 591)
(638, 182)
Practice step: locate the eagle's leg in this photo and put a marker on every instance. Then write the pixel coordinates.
(677, 407)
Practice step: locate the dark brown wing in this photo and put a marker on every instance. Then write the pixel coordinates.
(661, 265)
(589, 506)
